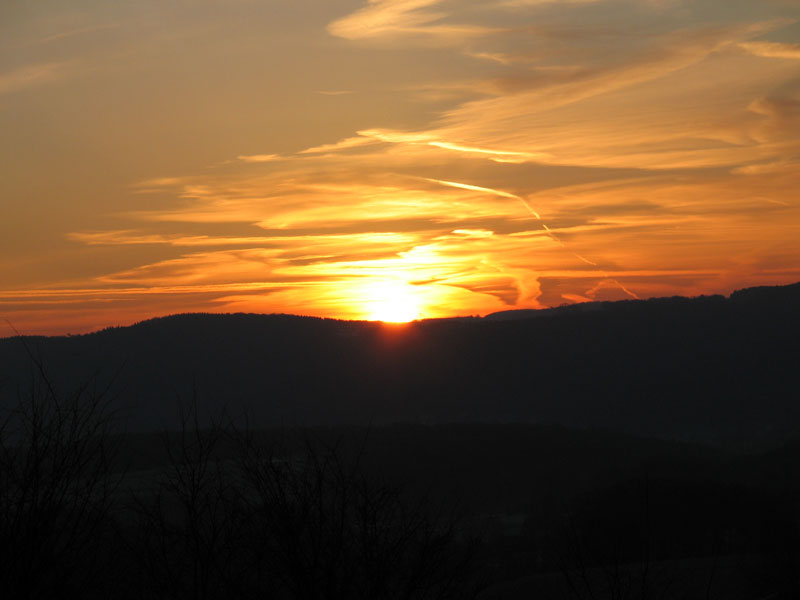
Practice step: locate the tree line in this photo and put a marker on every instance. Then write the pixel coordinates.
(231, 515)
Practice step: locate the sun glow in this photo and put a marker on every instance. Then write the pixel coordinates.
(392, 302)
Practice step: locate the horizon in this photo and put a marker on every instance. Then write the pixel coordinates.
(384, 322)
(391, 160)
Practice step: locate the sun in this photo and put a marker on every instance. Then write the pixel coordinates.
(391, 302)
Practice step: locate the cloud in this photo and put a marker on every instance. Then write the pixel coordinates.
(76, 32)
(497, 153)
(137, 238)
(499, 57)
(770, 167)
(31, 76)
(524, 3)
(776, 107)
(772, 49)
(475, 188)
(345, 144)
(259, 158)
(387, 19)
(474, 233)
(619, 113)
(374, 136)
(677, 104)
(336, 221)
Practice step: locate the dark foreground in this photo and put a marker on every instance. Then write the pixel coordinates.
(630, 450)
(416, 512)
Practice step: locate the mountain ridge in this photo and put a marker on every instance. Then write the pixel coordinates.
(709, 369)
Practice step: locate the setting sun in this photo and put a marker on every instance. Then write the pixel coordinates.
(391, 159)
(392, 302)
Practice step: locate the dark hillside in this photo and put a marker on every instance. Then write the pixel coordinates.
(711, 369)
(538, 498)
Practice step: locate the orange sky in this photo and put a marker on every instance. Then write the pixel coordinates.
(391, 159)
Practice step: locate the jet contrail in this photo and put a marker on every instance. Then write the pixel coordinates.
(527, 205)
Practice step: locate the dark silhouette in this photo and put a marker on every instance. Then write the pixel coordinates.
(609, 451)
(57, 481)
(706, 369)
(306, 521)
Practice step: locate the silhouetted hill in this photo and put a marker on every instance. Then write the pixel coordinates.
(712, 369)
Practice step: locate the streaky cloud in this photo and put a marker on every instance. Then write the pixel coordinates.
(772, 49)
(31, 76)
(258, 158)
(475, 188)
(388, 19)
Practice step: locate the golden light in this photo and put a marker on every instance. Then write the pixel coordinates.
(391, 302)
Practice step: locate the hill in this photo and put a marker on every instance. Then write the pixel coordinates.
(710, 369)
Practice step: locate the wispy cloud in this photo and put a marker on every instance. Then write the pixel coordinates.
(78, 31)
(772, 49)
(388, 19)
(258, 158)
(31, 76)
(623, 115)
(476, 188)
(521, 3)
(504, 153)
(499, 155)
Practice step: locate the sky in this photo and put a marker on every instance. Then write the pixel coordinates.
(391, 159)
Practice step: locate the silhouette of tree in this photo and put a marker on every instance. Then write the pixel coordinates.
(56, 487)
(301, 523)
(189, 541)
(328, 531)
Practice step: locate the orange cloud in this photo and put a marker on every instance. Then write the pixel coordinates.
(512, 153)
(772, 49)
(387, 19)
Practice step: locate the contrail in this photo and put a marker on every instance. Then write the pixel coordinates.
(550, 233)
(525, 203)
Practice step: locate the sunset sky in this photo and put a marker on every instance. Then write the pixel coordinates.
(391, 158)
